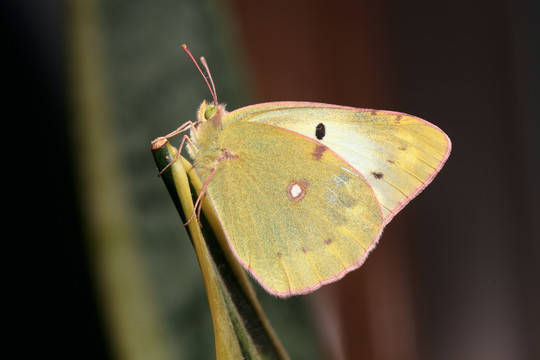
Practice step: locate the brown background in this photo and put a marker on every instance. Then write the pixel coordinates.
(456, 274)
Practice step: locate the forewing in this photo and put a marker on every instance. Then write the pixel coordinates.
(398, 154)
(296, 214)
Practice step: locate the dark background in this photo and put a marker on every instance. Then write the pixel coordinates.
(456, 274)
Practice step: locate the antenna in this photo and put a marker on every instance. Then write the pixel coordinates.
(212, 87)
(205, 64)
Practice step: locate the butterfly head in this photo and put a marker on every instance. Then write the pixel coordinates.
(210, 112)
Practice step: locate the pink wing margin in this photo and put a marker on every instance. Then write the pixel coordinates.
(428, 181)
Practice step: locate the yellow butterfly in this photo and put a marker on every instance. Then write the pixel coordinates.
(303, 190)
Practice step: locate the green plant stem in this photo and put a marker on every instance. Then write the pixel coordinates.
(240, 327)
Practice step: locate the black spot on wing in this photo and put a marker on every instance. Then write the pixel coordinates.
(320, 131)
(377, 174)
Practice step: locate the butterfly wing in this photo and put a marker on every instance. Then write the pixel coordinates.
(296, 214)
(398, 154)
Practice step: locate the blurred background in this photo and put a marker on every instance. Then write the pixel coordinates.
(101, 267)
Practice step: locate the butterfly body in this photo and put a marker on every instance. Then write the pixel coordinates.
(303, 190)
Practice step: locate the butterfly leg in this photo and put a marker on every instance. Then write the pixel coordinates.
(182, 128)
(184, 139)
(160, 141)
(198, 203)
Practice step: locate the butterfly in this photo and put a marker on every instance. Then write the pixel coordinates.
(303, 190)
